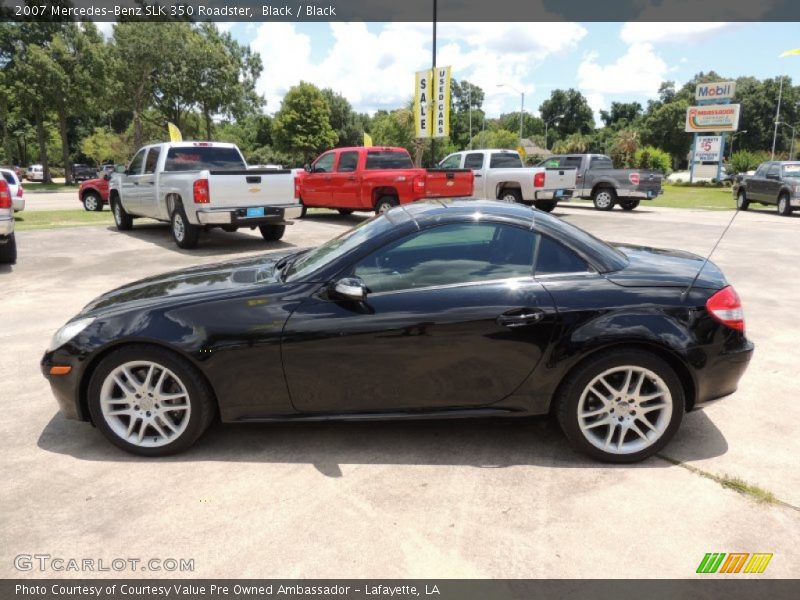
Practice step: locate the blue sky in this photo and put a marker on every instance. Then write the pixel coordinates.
(372, 64)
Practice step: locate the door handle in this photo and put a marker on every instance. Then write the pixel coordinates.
(521, 317)
(478, 175)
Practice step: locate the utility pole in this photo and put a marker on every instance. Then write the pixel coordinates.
(469, 101)
(433, 72)
(777, 119)
(521, 114)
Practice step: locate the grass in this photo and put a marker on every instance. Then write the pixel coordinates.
(56, 219)
(692, 197)
(34, 187)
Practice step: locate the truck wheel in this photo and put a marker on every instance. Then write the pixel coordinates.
(545, 205)
(784, 206)
(742, 203)
(92, 202)
(604, 198)
(510, 195)
(345, 211)
(8, 250)
(272, 233)
(385, 203)
(122, 219)
(184, 233)
(629, 204)
(303, 210)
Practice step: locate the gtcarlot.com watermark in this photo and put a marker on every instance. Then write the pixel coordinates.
(47, 563)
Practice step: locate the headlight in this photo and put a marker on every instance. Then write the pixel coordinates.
(69, 331)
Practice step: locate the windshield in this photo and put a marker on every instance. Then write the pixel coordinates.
(196, 158)
(792, 170)
(317, 258)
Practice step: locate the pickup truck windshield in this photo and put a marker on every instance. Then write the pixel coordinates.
(505, 160)
(197, 158)
(388, 160)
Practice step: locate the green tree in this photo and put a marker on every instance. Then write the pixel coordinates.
(343, 120)
(575, 143)
(531, 125)
(302, 125)
(499, 138)
(105, 145)
(577, 114)
(621, 114)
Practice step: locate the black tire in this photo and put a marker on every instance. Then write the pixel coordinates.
(784, 205)
(604, 198)
(545, 205)
(200, 398)
(572, 388)
(184, 233)
(8, 250)
(510, 195)
(345, 211)
(742, 203)
(629, 204)
(303, 210)
(92, 202)
(122, 219)
(272, 233)
(385, 203)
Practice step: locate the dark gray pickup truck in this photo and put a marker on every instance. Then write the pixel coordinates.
(606, 186)
(774, 182)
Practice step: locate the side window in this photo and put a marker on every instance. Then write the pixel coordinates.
(348, 161)
(761, 171)
(474, 160)
(572, 161)
(324, 163)
(451, 162)
(152, 160)
(774, 171)
(135, 167)
(553, 258)
(450, 254)
(505, 160)
(551, 163)
(601, 162)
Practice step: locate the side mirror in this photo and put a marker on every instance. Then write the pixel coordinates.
(307, 168)
(349, 288)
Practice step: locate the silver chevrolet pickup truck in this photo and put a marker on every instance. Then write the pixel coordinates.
(199, 185)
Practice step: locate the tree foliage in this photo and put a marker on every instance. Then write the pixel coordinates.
(302, 125)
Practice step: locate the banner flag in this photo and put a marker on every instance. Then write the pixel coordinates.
(441, 104)
(422, 104)
(174, 133)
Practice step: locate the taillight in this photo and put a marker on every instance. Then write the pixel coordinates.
(297, 188)
(5, 195)
(201, 195)
(419, 181)
(19, 191)
(726, 307)
(538, 180)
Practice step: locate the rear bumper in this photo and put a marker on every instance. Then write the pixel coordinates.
(6, 226)
(720, 377)
(273, 215)
(641, 195)
(552, 195)
(18, 203)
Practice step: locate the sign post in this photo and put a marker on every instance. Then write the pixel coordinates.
(713, 113)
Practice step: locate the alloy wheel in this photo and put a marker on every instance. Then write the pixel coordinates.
(603, 200)
(178, 228)
(625, 409)
(145, 404)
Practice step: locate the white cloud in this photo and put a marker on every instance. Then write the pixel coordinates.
(374, 70)
(106, 28)
(674, 33)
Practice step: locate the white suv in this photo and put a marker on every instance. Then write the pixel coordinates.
(35, 173)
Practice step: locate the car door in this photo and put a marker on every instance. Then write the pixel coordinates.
(148, 194)
(344, 181)
(317, 183)
(474, 161)
(453, 319)
(755, 183)
(771, 184)
(129, 182)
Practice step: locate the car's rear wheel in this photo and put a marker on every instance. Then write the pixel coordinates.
(8, 250)
(621, 407)
(604, 198)
(742, 203)
(545, 205)
(149, 401)
(92, 202)
(784, 206)
(629, 204)
(184, 233)
(510, 195)
(385, 203)
(122, 219)
(272, 233)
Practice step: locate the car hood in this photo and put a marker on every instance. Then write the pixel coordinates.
(665, 268)
(195, 281)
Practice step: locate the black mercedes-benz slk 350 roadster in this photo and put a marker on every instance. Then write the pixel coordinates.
(436, 309)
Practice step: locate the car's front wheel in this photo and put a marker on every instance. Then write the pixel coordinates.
(742, 203)
(122, 219)
(149, 401)
(784, 206)
(621, 407)
(92, 202)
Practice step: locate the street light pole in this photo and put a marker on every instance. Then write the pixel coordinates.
(521, 114)
(791, 151)
(777, 119)
(469, 101)
(546, 123)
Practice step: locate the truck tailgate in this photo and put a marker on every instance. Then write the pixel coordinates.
(560, 178)
(650, 183)
(251, 187)
(443, 183)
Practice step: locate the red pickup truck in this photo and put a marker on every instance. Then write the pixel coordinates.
(93, 193)
(375, 178)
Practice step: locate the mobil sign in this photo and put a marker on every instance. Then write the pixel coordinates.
(721, 90)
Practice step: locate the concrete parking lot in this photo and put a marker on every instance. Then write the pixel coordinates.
(428, 499)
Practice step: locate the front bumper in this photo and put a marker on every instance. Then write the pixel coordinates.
(720, 377)
(65, 387)
(6, 226)
(273, 215)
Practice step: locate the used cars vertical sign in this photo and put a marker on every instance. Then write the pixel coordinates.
(422, 104)
(441, 113)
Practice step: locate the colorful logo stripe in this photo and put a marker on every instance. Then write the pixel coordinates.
(716, 562)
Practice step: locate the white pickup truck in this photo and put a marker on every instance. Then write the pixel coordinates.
(199, 185)
(500, 174)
